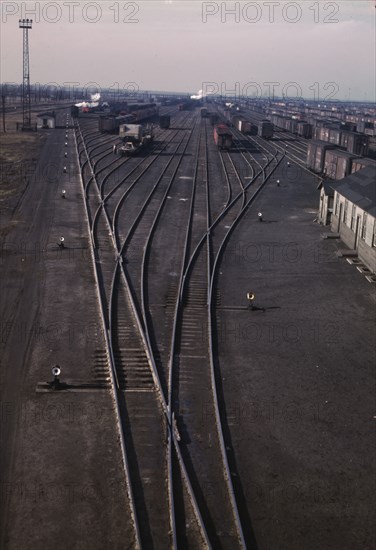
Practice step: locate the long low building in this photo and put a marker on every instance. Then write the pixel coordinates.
(354, 213)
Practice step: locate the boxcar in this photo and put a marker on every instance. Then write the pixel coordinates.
(222, 136)
(337, 163)
(244, 126)
(214, 118)
(265, 129)
(304, 129)
(74, 111)
(164, 121)
(316, 154)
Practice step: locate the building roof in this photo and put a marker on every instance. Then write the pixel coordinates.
(360, 189)
(329, 186)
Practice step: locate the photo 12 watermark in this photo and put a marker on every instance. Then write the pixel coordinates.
(292, 90)
(72, 12)
(270, 12)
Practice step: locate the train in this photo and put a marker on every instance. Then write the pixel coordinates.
(136, 113)
(301, 128)
(339, 133)
(185, 105)
(214, 118)
(265, 129)
(164, 121)
(243, 125)
(112, 123)
(332, 161)
(135, 137)
(222, 136)
(74, 111)
(353, 142)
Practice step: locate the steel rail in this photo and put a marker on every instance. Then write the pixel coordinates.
(172, 434)
(113, 378)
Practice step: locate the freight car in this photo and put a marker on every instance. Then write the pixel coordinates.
(316, 155)
(337, 163)
(111, 124)
(185, 106)
(203, 112)
(164, 121)
(355, 143)
(359, 164)
(214, 118)
(304, 129)
(74, 111)
(265, 129)
(245, 126)
(143, 111)
(222, 136)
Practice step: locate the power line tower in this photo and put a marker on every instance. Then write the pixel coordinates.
(26, 24)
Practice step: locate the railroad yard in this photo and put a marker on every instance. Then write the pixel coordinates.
(215, 356)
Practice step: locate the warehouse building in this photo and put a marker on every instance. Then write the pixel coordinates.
(354, 214)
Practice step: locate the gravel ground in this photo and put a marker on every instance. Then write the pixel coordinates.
(61, 473)
(297, 376)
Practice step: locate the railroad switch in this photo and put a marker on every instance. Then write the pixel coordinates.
(56, 384)
(250, 298)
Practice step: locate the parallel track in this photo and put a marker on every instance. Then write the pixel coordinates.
(165, 381)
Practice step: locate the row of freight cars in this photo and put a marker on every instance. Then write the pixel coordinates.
(353, 142)
(339, 134)
(213, 117)
(332, 161)
(299, 127)
(264, 128)
(223, 135)
(136, 113)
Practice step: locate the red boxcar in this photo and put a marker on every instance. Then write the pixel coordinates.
(222, 136)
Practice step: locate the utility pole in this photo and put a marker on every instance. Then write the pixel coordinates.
(26, 24)
(3, 105)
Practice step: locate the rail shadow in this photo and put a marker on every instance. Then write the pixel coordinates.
(137, 484)
(240, 496)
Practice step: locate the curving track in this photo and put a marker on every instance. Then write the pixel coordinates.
(159, 225)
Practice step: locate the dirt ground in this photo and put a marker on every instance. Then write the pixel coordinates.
(19, 152)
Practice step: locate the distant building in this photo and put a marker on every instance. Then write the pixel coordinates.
(354, 215)
(46, 120)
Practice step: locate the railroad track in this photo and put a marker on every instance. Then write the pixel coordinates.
(158, 231)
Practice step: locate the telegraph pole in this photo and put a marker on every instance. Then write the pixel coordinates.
(26, 24)
(3, 104)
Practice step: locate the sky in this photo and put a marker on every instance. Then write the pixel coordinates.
(311, 49)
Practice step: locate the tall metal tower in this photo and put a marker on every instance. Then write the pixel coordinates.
(25, 24)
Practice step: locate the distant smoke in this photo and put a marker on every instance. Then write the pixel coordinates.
(200, 95)
(89, 104)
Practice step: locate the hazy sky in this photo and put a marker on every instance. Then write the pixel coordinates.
(178, 45)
